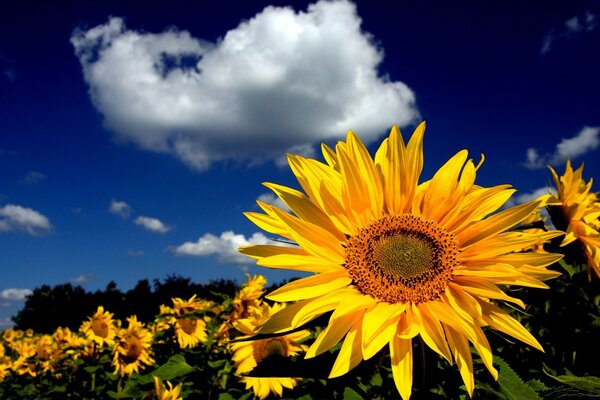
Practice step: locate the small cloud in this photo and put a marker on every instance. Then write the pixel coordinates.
(529, 196)
(568, 149)
(224, 247)
(577, 25)
(136, 253)
(82, 278)
(33, 177)
(22, 219)
(152, 224)
(14, 294)
(120, 208)
(273, 200)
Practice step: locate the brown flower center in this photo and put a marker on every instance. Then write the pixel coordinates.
(188, 325)
(133, 348)
(402, 258)
(266, 347)
(100, 327)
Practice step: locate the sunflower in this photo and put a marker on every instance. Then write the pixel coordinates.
(189, 327)
(100, 328)
(245, 302)
(132, 352)
(248, 354)
(395, 259)
(162, 393)
(579, 213)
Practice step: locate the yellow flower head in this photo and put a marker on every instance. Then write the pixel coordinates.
(248, 354)
(132, 352)
(244, 304)
(580, 213)
(100, 328)
(393, 258)
(190, 331)
(162, 393)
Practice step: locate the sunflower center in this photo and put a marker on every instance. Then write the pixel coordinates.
(133, 347)
(100, 328)
(188, 325)
(267, 347)
(402, 258)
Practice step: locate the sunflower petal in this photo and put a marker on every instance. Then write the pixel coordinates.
(402, 365)
(350, 354)
(312, 286)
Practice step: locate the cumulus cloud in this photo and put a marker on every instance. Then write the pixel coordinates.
(16, 218)
(283, 79)
(152, 224)
(529, 196)
(33, 177)
(568, 149)
(119, 208)
(574, 26)
(224, 246)
(13, 294)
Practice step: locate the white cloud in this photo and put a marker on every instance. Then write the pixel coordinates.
(14, 294)
(82, 278)
(529, 196)
(22, 219)
(224, 246)
(152, 224)
(588, 139)
(119, 208)
(573, 26)
(279, 80)
(33, 177)
(270, 198)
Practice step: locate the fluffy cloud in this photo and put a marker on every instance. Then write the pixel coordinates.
(22, 219)
(152, 224)
(33, 177)
(224, 246)
(578, 24)
(568, 149)
(119, 208)
(82, 278)
(13, 294)
(278, 81)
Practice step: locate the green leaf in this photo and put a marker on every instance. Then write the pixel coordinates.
(175, 367)
(589, 384)
(218, 364)
(351, 394)
(226, 396)
(567, 267)
(537, 385)
(511, 385)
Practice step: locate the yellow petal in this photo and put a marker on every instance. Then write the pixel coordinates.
(334, 332)
(502, 321)
(379, 325)
(462, 355)
(432, 333)
(486, 290)
(350, 354)
(402, 365)
(312, 286)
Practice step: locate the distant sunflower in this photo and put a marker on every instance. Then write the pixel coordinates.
(162, 393)
(190, 328)
(132, 352)
(100, 328)
(245, 302)
(248, 354)
(394, 258)
(579, 213)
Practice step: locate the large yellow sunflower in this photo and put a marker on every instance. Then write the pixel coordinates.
(580, 213)
(394, 258)
(132, 352)
(100, 328)
(248, 354)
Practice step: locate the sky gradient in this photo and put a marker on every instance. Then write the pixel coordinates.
(134, 134)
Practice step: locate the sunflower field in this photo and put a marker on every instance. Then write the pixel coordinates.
(430, 289)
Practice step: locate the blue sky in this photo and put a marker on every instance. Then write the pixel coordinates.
(134, 134)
